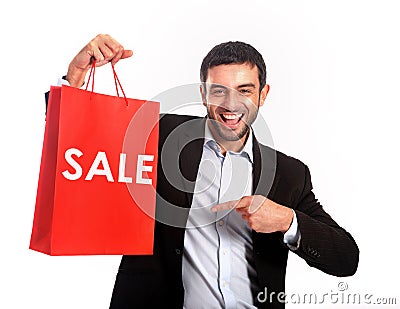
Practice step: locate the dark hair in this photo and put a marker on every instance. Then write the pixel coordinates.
(231, 53)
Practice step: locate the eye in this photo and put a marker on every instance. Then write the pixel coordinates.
(218, 92)
(245, 91)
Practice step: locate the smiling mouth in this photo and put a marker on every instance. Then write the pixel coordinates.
(231, 119)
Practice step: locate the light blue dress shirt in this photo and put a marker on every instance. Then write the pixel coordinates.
(218, 267)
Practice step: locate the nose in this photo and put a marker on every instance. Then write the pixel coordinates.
(231, 101)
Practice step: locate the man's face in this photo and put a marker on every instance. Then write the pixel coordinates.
(232, 98)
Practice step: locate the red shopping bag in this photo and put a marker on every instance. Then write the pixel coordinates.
(97, 183)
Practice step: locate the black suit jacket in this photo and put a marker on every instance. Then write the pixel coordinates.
(155, 281)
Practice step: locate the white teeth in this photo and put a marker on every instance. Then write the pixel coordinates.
(231, 116)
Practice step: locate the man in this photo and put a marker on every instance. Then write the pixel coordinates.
(228, 208)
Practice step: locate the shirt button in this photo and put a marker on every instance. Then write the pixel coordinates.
(224, 284)
(221, 222)
(177, 251)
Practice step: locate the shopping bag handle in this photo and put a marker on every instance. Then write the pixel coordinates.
(116, 80)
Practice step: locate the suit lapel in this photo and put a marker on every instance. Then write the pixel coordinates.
(264, 169)
(191, 149)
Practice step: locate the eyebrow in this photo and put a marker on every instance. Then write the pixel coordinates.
(240, 86)
(218, 86)
(247, 85)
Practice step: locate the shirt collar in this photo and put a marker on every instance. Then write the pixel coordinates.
(210, 141)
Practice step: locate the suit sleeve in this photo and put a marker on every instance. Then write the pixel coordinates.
(46, 99)
(324, 244)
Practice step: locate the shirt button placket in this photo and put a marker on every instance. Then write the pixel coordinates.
(225, 263)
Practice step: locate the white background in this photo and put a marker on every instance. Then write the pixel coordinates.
(333, 67)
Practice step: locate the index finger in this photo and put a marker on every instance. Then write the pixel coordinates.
(227, 206)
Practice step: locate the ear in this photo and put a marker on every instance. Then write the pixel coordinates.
(203, 94)
(263, 94)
